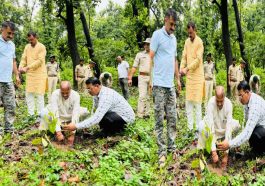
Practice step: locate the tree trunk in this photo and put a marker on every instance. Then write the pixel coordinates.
(241, 39)
(89, 44)
(225, 37)
(71, 36)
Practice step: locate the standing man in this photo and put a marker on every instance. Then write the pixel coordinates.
(254, 112)
(33, 64)
(7, 66)
(142, 60)
(232, 74)
(123, 72)
(254, 83)
(52, 70)
(80, 75)
(209, 77)
(163, 50)
(241, 72)
(192, 67)
(90, 69)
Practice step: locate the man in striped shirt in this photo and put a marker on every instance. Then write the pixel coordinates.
(254, 111)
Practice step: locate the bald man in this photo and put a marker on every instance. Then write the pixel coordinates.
(219, 119)
(65, 105)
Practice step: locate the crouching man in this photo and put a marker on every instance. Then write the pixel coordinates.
(218, 118)
(112, 113)
(65, 105)
(254, 131)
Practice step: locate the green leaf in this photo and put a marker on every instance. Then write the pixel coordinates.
(36, 141)
(44, 142)
(195, 163)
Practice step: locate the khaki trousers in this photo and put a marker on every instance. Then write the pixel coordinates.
(208, 90)
(233, 87)
(81, 84)
(143, 101)
(52, 83)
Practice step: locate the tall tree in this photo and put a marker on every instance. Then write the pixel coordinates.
(70, 26)
(241, 39)
(225, 36)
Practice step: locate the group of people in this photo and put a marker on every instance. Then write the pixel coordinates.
(158, 71)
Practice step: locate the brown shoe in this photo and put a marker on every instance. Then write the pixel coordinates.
(215, 157)
(224, 161)
(59, 136)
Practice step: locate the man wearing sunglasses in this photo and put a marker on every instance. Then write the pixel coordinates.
(254, 131)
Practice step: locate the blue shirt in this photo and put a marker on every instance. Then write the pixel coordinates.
(165, 48)
(7, 55)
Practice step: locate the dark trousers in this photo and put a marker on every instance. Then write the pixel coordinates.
(257, 140)
(124, 87)
(112, 123)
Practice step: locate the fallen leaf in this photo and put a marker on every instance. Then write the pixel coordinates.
(63, 165)
(44, 142)
(127, 175)
(64, 177)
(42, 183)
(73, 179)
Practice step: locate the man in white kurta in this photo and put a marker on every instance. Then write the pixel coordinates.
(220, 122)
(65, 105)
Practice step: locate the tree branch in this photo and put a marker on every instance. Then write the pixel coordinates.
(60, 13)
(215, 2)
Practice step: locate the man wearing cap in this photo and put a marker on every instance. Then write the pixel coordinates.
(80, 75)
(52, 70)
(142, 60)
(123, 72)
(254, 83)
(209, 77)
(90, 69)
(232, 78)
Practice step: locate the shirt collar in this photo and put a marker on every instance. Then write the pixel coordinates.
(101, 91)
(252, 96)
(1, 38)
(165, 32)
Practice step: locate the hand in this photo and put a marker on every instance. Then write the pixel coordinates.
(130, 82)
(224, 145)
(23, 69)
(18, 82)
(185, 70)
(179, 85)
(70, 127)
(150, 87)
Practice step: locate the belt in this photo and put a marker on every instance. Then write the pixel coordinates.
(234, 80)
(52, 75)
(144, 73)
(81, 76)
(208, 79)
(65, 122)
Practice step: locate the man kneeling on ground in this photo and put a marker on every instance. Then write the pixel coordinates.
(65, 105)
(112, 112)
(219, 119)
(254, 131)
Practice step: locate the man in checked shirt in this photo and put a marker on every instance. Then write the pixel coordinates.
(254, 131)
(112, 113)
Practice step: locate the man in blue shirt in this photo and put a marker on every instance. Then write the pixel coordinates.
(7, 66)
(163, 51)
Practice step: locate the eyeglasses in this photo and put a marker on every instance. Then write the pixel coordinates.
(241, 95)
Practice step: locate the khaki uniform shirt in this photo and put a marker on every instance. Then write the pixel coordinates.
(80, 71)
(89, 72)
(36, 76)
(142, 60)
(52, 69)
(192, 59)
(232, 72)
(240, 74)
(208, 70)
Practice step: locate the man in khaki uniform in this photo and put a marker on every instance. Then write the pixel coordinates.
(52, 70)
(209, 77)
(80, 75)
(142, 60)
(240, 72)
(232, 74)
(33, 64)
(90, 70)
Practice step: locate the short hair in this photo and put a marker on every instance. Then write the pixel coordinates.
(9, 24)
(243, 85)
(191, 25)
(32, 33)
(93, 81)
(255, 79)
(209, 55)
(81, 60)
(233, 59)
(106, 75)
(171, 13)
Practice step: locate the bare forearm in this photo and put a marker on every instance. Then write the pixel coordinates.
(15, 70)
(132, 72)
